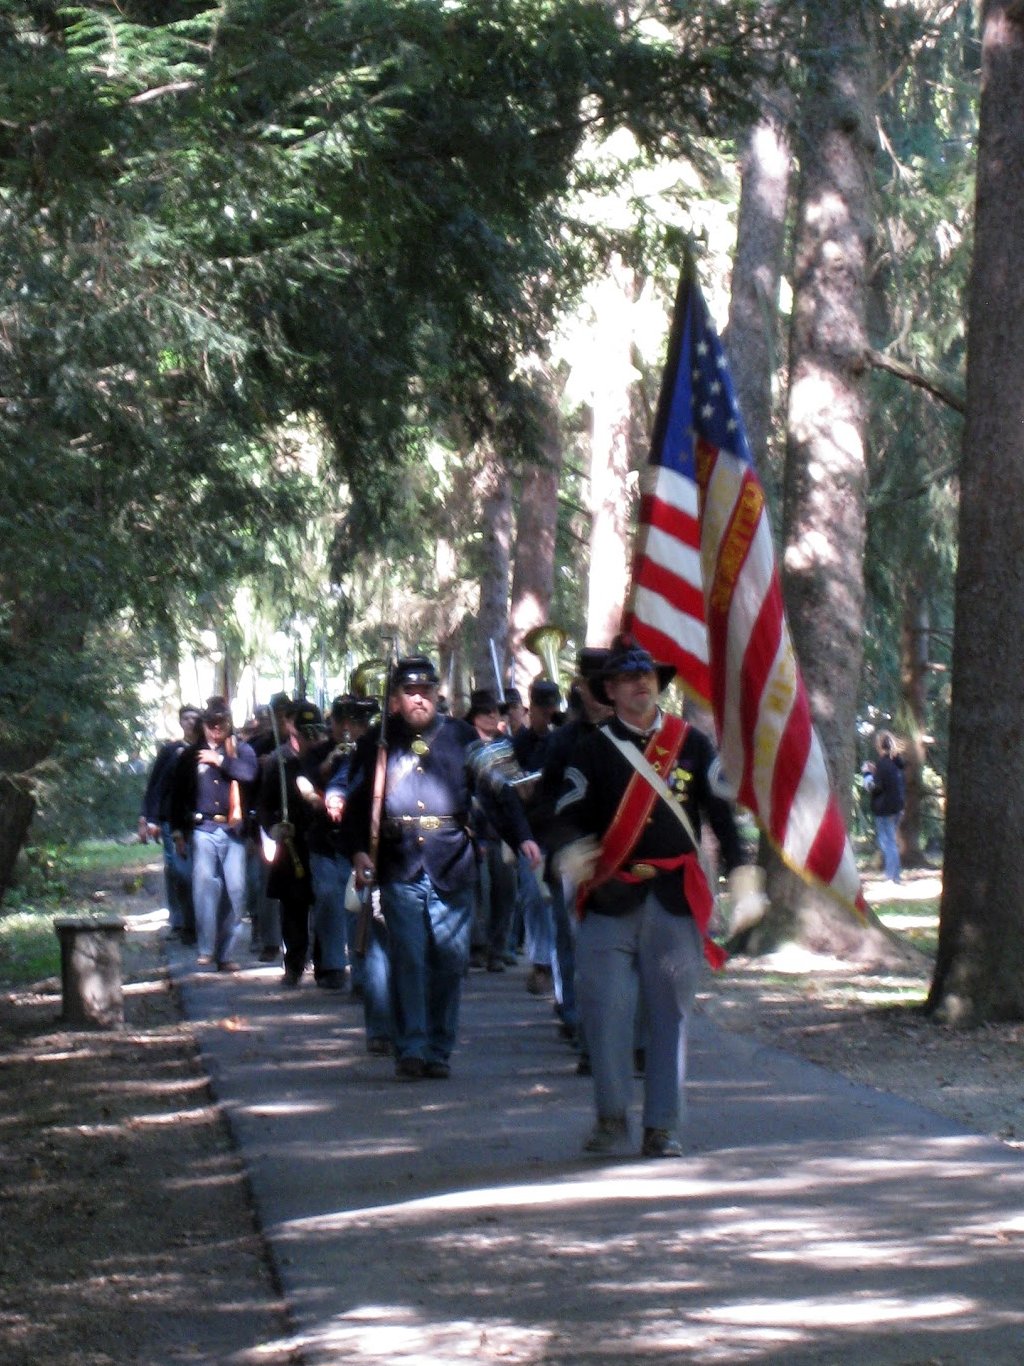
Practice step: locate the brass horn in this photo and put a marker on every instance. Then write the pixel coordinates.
(545, 642)
(370, 679)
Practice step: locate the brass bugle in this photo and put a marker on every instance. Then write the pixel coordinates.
(545, 642)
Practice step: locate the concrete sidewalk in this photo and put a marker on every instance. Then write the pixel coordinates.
(811, 1220)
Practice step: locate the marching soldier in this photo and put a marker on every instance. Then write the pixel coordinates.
(426, 863)
(209, 803)
(628, 827)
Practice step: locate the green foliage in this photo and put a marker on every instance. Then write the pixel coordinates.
(926, 205)
(219, 218)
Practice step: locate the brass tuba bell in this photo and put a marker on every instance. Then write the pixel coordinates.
(545, 642)
(370, 679)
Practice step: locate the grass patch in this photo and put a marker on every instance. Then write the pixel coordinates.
(915, 921)
(102, 856)
(29, 947)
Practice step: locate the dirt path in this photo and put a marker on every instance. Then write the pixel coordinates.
(129, 1234)
(128, 1231)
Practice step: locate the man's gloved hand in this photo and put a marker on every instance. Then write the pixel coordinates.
(576, 862)
(747, 899)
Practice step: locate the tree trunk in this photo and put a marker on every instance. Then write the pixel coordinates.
(751, 339)
(825, 477)
(979, 970)
(17, 807)
(533, 574)
(611, 506)
(496, 535)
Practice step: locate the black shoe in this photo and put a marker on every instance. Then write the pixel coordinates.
(332, 979)
(409, 1069)
(291, 977)
(660, 1143)
(437, 1071)
(379, 1048)
(229, 965)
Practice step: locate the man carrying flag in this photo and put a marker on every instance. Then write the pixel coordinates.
(628, 827)
(707, 598)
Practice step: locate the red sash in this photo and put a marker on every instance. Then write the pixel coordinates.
(627, 826)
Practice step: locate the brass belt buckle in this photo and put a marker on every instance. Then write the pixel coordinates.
(643, 871)
(430, 822)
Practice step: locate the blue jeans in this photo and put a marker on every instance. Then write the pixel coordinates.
(497, 896)
(563, 962)
(218, 866)
(178, 883)
(885, 833)
(330, 920)
(376, 983)
(264, 911)
(617, 958)
(429, 947)
(537, 918)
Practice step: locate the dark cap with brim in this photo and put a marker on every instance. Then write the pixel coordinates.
(513, 698)
(481, 700)
(414, 669)
(308, 720)
(627, 657)
(217, 713)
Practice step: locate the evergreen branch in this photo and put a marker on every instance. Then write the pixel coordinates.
(931, 386)
(172, 88)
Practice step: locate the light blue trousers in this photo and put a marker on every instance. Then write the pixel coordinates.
(618, 958)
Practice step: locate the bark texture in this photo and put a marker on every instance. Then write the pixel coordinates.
(751, 338)
(611, 458)
(979, 973)
(496, 536)
(533, 574)
(824, 510)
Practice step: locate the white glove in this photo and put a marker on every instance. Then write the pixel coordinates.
(747, 899)
(577, 861)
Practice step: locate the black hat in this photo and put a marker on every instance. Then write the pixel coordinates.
(591, 660)
(280, 702)
(481, 700)
(349, 708)
(413, 669)
(627, 657)
(308, 720)
(217, 711)
(545, 693)
(513, 698)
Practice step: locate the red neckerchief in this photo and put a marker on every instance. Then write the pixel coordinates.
(627, 826)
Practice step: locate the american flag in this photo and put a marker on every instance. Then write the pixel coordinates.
(706, 597)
